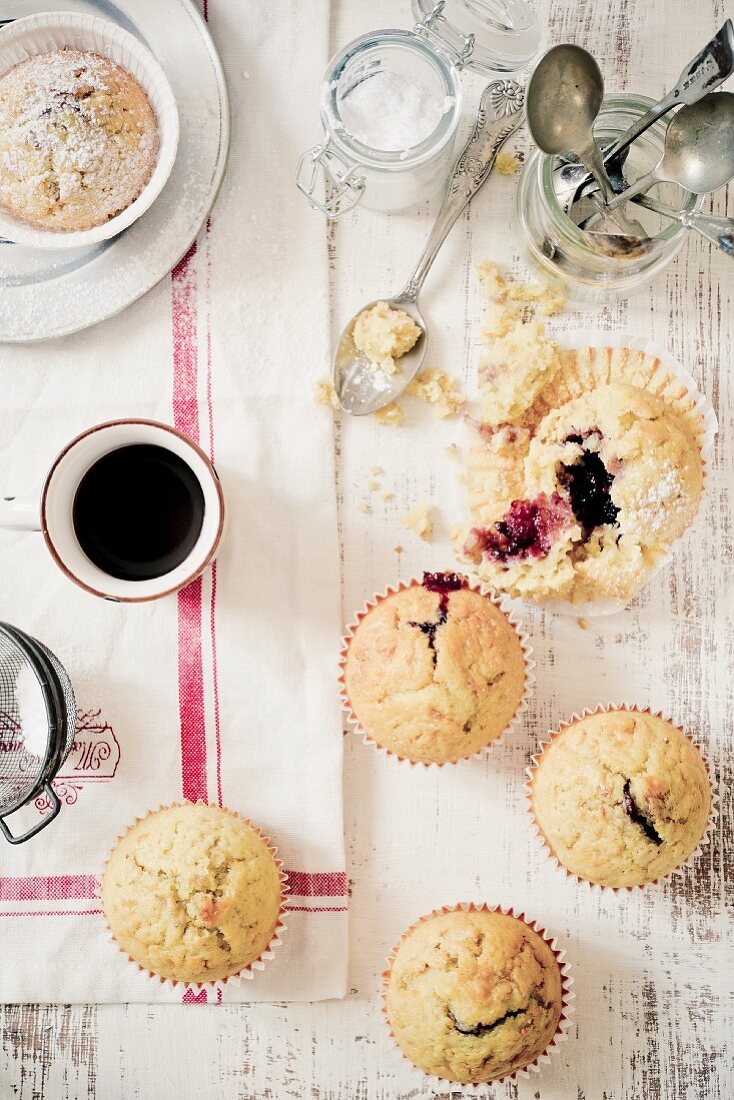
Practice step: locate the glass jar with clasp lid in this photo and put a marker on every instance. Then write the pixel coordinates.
(391, 102)
(563, 251)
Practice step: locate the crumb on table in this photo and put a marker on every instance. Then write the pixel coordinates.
(506, 164)
(324, 393)
(420, 521)
(391, 414)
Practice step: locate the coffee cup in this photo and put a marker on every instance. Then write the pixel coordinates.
(131, 510)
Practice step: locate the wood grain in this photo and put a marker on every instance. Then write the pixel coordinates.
(653, 970)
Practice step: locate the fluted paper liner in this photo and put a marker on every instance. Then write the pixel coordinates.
(514, 723)
(567, 996)
(247, 972)
(46, 32)
(610, 708)
(590, 359)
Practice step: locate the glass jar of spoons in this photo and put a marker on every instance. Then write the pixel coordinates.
(564, 251)
(583, 207)
(391, 102)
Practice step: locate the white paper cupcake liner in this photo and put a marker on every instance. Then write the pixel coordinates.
(593, 338)
(567, 995)
(514, 723)
(247, 972)
(49, 31)
(607, 708)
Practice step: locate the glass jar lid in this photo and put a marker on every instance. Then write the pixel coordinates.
(487, 36)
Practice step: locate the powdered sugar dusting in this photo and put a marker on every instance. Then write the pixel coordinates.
(78, 139)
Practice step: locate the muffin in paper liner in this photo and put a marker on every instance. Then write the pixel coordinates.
(514, 722)
(588, 367)
(546, 846)
(48, 32)
(257, 964)
(589, 360)
(567, 995)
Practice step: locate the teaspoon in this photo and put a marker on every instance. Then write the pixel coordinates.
(699, 150)
(360, 385)
(565, 95)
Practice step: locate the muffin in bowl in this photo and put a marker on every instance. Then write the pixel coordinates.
(78, 140)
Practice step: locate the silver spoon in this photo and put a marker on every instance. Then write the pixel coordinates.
(699, 150)
(707, 71)
(360, 385)
(565, 95)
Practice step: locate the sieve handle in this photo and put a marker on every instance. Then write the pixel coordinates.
(45, 820)
(20, 513)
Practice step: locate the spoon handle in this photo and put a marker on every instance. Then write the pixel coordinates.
(640, 185)
(500, 114)
(720, 231)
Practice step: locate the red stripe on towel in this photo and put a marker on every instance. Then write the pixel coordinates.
(319, 884)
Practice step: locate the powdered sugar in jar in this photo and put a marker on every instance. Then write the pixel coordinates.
(391, 102)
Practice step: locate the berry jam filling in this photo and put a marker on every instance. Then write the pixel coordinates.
(483, 1029)
(443, 584)
(527, 530)
(635, 814)
(588, 483)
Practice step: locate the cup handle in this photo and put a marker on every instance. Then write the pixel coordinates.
(20, 513)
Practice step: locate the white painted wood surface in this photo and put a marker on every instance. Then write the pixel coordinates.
(653, 970)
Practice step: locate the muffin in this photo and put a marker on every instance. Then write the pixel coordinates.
(78, 140)
(473, 995)
(620, 797)
(193, 893)
(610, 479)
(435, 671)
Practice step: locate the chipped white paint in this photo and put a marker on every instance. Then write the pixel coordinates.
(653, 977)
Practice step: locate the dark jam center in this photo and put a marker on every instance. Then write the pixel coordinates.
(527, 530)
(635, 814)
(443, 584)
(588, 484)
(484, 1029)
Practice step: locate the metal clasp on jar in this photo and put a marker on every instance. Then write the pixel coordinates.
(330, 183)
(445, 39)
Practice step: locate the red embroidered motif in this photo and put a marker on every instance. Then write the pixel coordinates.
(94, 755)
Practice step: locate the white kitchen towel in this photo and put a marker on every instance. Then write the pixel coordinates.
(226, 692)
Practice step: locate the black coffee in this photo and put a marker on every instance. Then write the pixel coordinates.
(138, 512)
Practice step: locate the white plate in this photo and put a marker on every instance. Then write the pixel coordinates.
(44, 294)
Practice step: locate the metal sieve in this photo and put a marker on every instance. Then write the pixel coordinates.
(37, 725)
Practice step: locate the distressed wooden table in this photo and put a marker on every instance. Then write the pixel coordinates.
(653, 977)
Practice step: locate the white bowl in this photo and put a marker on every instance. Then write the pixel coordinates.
(49, 31)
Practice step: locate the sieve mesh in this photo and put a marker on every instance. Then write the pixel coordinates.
(37, 717)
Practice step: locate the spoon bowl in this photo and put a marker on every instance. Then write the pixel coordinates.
(699, 145)
(361, 386)
(699, 149)
(564, 97)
